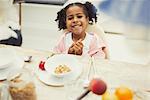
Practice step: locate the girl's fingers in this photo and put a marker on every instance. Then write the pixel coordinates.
(80, 44)
(80, 40)
(76, 47)
(78, 50)
(72, 45)
(71, 50)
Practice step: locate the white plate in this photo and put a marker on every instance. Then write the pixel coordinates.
(6, 57)
(17, 64)
(69, 60)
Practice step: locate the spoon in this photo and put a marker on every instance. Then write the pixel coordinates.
(27, 58)
(89, 71)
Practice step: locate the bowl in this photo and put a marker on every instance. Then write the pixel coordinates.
(6, 57)
(62, 61)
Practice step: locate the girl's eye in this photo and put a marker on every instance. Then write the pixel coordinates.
(79, 16)
(70, 18)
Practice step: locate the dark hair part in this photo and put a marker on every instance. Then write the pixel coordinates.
(89, 10)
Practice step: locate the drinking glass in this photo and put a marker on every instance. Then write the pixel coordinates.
(74, 88)
(3, 92)
(21, 85)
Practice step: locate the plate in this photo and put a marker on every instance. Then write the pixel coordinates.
(69, 60)
(17, 64)
(6, 57)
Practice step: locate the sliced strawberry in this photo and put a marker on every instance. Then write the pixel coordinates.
(41, 65)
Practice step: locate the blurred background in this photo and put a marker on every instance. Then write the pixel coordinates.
(134, 13)
(125, 22)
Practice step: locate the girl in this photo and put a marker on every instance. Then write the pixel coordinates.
(74, 18)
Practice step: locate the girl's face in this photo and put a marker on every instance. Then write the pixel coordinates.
(76, 20)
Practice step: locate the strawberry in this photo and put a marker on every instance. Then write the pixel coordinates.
(41, 65)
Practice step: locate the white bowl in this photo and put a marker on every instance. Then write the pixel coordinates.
(62, 59)
(6, 57)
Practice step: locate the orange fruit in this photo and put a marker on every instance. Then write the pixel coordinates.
(124, 93)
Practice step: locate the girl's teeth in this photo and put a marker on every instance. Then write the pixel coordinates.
(77, 29)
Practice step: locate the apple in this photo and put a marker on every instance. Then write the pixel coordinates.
(98, 86)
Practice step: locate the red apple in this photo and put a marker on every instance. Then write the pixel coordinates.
(98, 86)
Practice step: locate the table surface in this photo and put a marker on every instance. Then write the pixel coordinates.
(114, 73)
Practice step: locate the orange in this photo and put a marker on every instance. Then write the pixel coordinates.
(124, 93)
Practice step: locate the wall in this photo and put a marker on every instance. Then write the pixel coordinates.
(38, 25)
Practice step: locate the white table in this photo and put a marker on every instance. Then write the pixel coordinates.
(113, 73)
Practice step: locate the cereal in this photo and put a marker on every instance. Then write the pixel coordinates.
(62, 69)
(25, 93)
(22, 90)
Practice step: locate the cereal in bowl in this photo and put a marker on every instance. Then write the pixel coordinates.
(62, 69)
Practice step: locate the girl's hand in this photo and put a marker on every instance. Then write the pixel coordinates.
(71, 50)
(76, 48)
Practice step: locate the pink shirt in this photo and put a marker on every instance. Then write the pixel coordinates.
(92, 45)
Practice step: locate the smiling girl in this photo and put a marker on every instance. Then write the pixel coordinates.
(75, 18)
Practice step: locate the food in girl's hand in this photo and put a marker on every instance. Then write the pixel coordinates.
(98, 86)
(41, 65)
(124, 93)
(62, 69)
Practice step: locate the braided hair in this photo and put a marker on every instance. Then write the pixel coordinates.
(89, 10)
